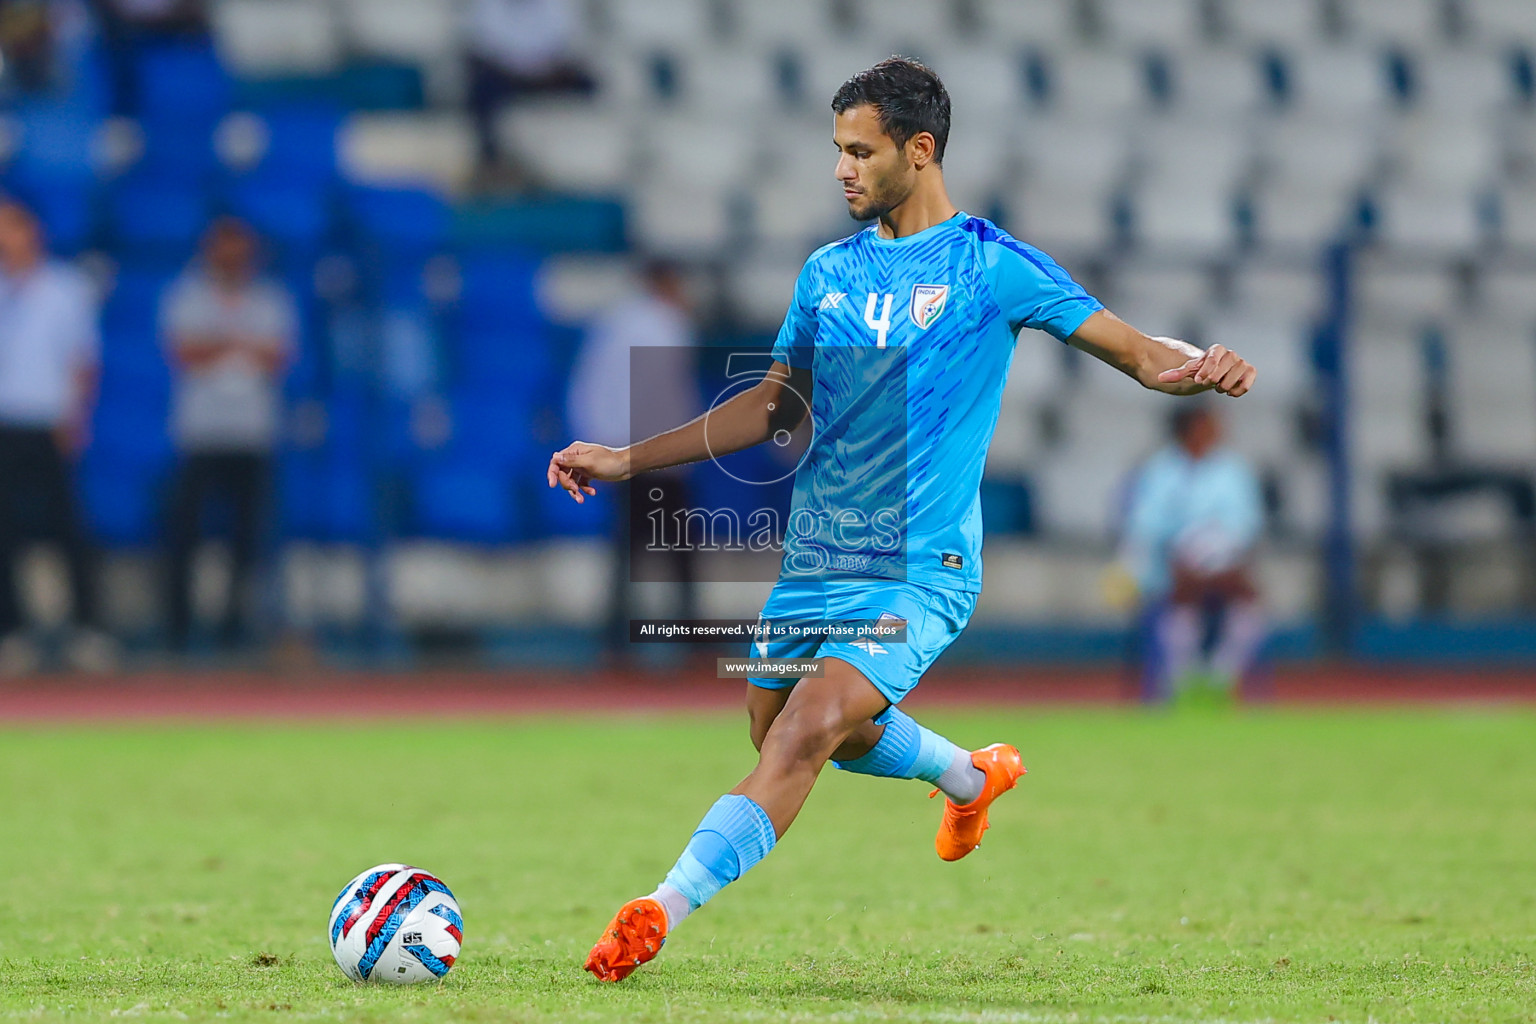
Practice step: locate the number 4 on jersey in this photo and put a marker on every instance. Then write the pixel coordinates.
(884, 323)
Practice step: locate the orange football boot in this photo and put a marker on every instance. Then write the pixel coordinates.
(960, 831)
(634, 936)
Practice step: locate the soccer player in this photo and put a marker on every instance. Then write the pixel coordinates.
(902, 334)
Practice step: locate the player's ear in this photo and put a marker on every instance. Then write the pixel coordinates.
(920, 149)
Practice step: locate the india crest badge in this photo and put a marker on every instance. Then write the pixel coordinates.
(928, 302)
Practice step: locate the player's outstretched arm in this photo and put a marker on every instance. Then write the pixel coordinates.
(777, 402)
(1163, 364)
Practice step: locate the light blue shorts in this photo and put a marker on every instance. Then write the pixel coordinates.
(934, 617)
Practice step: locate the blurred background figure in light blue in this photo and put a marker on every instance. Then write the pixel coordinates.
(1195, 514)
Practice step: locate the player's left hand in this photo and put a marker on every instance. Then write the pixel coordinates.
(1216, 369)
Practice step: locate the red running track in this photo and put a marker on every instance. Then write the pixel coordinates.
(468, 694)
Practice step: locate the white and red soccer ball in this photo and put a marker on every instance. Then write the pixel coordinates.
(396, 925)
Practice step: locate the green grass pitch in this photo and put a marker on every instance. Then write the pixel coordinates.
(1273, 866)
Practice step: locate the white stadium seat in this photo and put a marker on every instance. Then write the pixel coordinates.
(902, 26)
(790, 216)
(1285, 290)
(748, 76)
(1166, 23)
(1177, 215)
(1517, 217)
(273, 37)
(1297, 217)
(1060, 216)
(569, 145)
(1501, 22)
(1507, 292)
(417, 31)
(683, 24)
(1393, 294)
(1291, 22)
(1081, 153)
(683, 220)
(760, 291)
(572, 289)
(684, 150)
(982, 80)
(1340, 80)
(1493, 392)
(1218, 81)
(1323, 153)
(1431, 220)
(827, 65)
(1446, 152)
(414, 148)
(1032, 23)
(1142, 283)
(1401, 22)
(1464, 82)
(782, 21)
(1207, 152)
(1097, 82)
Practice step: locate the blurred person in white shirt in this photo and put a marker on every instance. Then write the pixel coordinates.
(656, 318)
(229, 337)
(518, 48)
(49, 352)
(1195, 515)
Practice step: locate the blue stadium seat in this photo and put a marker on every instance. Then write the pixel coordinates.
(301, 143)
(123, 501)
(177, 153)
(403, 220)
(515, 358)
(145, 212)
(55, 145)
(498, 287)
(490, 427)
(326, 498)
(295, 215)
(182, 81)
(466, 500)
(134, 304)
(559, 516)
(67, 209)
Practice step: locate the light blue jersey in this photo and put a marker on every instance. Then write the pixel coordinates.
(909, 341)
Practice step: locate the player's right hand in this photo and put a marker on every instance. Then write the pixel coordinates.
(575, 466)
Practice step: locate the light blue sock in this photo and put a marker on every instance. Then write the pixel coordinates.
(733, 836)
(907, 750)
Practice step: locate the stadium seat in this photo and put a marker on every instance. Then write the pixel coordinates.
(1172, 24)
(1429, 219)
(1397, 22)
(466, 501)
(1500, 22)
(1059, 217)
(1326, 154)
(1179, 286)
(572, 289)
(182, 83)
(145, 214)
(1279, 344)
(1279, 289)
(783, 21)
(295, 216)
(760, 291)
(750, 76)
(1298, 218)
(420, 32)
(791, 215)
(1177, 215)
(409, 148)
(1296, 23)
(684, 149)
(1465, 82)
(1507, 290)
(1444, 152)
(299, 143)
(410, 220)
(497, 289)
(1341, 80)
(1493, 392)
(52, 144)
(683, 220)
(1081, 154)
(1388, 429)
(825, 66)
(1046, 23)
(900, 26)
(687, 24)
(1517, 217)
(1218, 82)
(277, 37)
(1201, 152)
(1265, 432)
(1390, 292)
(1096, 83)
(569, 145)
(983, 81)
(67, 211)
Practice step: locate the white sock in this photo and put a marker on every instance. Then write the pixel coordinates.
(674, 903)
(962, 780)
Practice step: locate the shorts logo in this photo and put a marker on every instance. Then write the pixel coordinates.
(832, 300)
(928, 302)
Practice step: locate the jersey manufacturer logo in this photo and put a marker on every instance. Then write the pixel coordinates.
(928, 301)
(950, 560)
(832, 300)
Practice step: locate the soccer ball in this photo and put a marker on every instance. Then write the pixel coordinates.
(397, 925)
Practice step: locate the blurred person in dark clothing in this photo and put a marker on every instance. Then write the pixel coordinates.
(49, 350)
(658, 319)
(1195, 514)
(154, 17)
(229, 337)
(518, 48)
(26, 44)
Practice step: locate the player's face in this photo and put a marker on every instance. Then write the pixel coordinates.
(875, 173)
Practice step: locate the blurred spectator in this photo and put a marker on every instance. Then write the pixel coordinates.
(658, 320)
(155, 17)
(1195, 515)
(230, 336)
(49, 347)
(26, 44)
(519, 48)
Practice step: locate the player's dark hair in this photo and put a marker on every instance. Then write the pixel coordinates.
(908, 98)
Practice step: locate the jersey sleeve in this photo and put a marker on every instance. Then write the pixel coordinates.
(796, 343)
(1032, 290)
